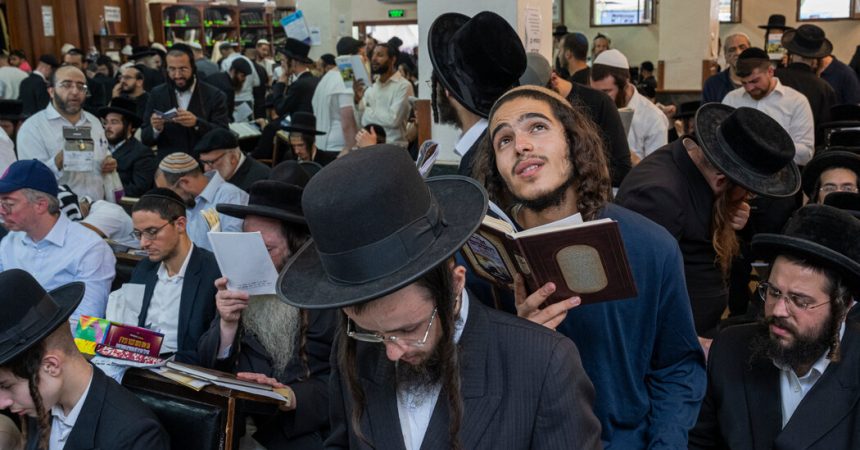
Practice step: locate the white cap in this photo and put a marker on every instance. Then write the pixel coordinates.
(112, 220)
(66, 47)
(127, 50)
(158, 46)
(612, 58)
(195, 45)
(263, 41)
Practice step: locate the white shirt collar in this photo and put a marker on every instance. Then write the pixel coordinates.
(162, 269)
(65, 423)
(469, 137)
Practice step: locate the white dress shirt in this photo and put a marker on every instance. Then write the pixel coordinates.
(163, 313)
(330, 96)
(217, 191)
(788, 107)
(415, 412)
(649, 129)
(387, 105)
(70, 252)
(469, 137)
(10, 82)
(41, 137)
(7, 151)
(62, 425)
(112, 220)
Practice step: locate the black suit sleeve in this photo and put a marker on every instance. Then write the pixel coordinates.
(339, 414)
(215, 105)
(706, 434)
(147, 134)
(142, 173)
(607, 117)
(144, 434)
(654, 202)
(288, 99)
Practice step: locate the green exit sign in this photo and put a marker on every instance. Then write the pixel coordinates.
(396, 13)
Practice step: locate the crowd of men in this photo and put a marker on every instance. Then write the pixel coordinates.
(379, 334)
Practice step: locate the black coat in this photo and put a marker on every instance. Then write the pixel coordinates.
(468, 160)
(136, 166)
(196, 303)
(305, 426)
(296, 97)
(33, 93)
(522, 385)
(111, 418)
(820, 94)
(221, 80)
(669, 189)
(207, 103)
(742, 408)
(249, 172)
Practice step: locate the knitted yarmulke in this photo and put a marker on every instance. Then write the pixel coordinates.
(177, 163)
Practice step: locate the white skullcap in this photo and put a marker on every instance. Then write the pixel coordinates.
(195, 45)
(128, 50)
(612, 58)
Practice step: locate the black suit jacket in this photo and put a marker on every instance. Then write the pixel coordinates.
(221, 80)
(196, 304)
(468, 160)
(296, 97)
(207, 103)
(249, 172)
(111, 418)
(136, 166)
(305, 426)
(522, 385)
(742, 408)
(33, 93)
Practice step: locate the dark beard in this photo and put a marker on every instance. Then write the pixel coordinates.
(119, 137)
(447, 113)
(380, 70)
(419, 379)
(805, 350)
(188, 85)
(236, 83)
(549, 200)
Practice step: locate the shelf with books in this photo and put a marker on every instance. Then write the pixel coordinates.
(176, 22)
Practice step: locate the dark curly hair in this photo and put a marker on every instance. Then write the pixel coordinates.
(590, 175)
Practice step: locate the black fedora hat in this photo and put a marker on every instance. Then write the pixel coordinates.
(12, 110)
(807, 41)
(476, 59)
(279, 197)
(775, 22)
(30, 313)
(843, 116)
(750, 148)
(303, 122)
(688, 109)
(296, 49)
(824, 235)
(844, 138)
(831, 158)
(560, 30)
(122, 106)
(400, 227)
(846, 201)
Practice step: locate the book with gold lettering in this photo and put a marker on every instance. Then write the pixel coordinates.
(587, 259)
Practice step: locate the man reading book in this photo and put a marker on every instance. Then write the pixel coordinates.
(543, 162)
(64, 401)
(265, 340)
(420, 362)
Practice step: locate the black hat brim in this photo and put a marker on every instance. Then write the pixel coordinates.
(299, 58)
(446, 66)
(789, 43)
(303, 282)
(299, 129)
(783, 183)
(829, 159)
(770, 245)
(242, 211)
(132, 117)
(67, 297)
(840, 124)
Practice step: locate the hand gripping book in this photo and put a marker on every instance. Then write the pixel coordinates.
(585, 259)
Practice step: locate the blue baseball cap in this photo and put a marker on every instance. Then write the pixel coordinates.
(29, 173)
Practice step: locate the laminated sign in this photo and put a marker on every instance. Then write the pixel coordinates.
(78, 150)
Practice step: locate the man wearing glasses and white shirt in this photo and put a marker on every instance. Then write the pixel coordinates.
(42, 136)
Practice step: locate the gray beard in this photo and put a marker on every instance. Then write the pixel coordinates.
(276, 326)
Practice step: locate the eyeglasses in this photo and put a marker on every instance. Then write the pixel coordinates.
(378, 338)
(8, 206)
(212, 162)
(831, 188)
(69, 85)
(149, 233)
(793, 302)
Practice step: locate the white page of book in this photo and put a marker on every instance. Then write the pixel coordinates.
(244, 260)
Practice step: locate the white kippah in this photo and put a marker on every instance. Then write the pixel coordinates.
(195, 45)
(612, 58)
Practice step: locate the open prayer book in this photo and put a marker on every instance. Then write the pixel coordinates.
(198, 377)
(587, 259)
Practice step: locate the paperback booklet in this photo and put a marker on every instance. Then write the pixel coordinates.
(587, 259)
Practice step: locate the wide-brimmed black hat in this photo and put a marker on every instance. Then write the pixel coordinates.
(688, 109)
(296, 49)
(843, 116)
(846, 201)
(12, 110)
(399, 228)
(750, 148)
(828, 159)
(143, 52)
(30, 313)
(824, 235)
(123, 106)
(775, 22)
(560, 30)
(476, 59)
(807, 41)
(279, 197)
(303, 122)
(844, 138)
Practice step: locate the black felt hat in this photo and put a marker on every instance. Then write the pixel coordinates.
(30, 313)
(688, 109)
(750, 148)
(399, 228)
(298, 50)
(217, 139)
(560, 30)
(824, 235)
(807, 41)
(476, 59)
(348, 45)
(11, 110)
(279, 197)
(828, 159)
(843, 116)
(303, 122)
(775, 22)
(123, 106)
(846, 201)
(143, 52)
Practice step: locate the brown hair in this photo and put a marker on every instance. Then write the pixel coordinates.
(620, 77)
(586, 153)
(746, 66)
(723, 237)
